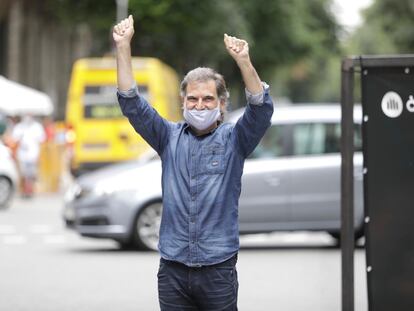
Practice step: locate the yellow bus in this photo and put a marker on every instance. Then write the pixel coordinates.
(98, 134)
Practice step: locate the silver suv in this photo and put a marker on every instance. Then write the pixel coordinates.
(291, 182)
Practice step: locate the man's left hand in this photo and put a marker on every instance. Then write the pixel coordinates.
(237, 48)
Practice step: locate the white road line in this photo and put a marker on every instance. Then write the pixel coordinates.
(54, 239)
(7, 229)
(40, 229)
(306, 238)
(14, 239)
(282, 238)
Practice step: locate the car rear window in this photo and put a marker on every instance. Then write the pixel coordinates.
(275, 143)
(320, 138)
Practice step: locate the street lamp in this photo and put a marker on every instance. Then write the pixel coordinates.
(121, 9)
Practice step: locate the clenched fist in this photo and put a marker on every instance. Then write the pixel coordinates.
(123, 31)
(237, 48)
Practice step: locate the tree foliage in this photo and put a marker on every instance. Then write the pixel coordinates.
(283, 35)
(189, 33)
(395, 20)
(387, 29)
(185, 33)
(99, 16)
(296, 40)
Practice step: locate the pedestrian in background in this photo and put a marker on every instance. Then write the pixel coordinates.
(7, 136)
(28, 136)
(50, 128)
(202, 161)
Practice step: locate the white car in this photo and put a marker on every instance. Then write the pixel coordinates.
(8, 176)
(290, 182)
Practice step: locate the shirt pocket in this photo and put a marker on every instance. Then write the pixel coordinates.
(212, 159)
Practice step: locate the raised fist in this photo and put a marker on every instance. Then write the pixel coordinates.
(124, 30)
(237, 48)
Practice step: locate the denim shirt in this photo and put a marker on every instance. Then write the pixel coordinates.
(201, 178)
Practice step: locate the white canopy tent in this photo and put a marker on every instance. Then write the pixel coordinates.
(17, 99)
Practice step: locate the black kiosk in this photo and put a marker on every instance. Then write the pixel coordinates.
(388, 146)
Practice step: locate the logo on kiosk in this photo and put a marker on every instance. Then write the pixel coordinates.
(392, 105)
(410, 104)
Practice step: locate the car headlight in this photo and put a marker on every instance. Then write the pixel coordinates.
(105, 189)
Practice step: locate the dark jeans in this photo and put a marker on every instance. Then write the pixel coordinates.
(198, 288)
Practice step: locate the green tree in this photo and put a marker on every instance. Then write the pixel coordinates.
(185, 33)
(189, 33)
(395, 20)
(293, 37)
(285, 31)
(298, 43)
(387, 29)
(97, 15)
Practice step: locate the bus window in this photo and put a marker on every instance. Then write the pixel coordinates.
(100, 101)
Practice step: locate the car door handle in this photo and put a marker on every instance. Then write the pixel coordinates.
(272, 181)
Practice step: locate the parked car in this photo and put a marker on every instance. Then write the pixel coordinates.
(8, 176)
(291, 182)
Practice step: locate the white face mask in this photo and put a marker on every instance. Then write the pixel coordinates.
(201, 119)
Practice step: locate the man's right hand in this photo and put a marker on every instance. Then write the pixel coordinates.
(123, 31)
(122, 35)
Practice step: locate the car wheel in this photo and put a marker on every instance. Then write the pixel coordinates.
(6, 191)
(147, 226)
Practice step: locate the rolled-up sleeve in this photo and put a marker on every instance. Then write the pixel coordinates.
(145, 119)
(132, 92)
(254, 122)
(256, 99)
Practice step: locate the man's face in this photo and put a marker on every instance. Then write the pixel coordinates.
(201, 95)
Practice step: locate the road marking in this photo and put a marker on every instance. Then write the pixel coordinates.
(284, 238)
(54, 239)
(40, 229)
(306, 238)
(14, 239)
(7, 229)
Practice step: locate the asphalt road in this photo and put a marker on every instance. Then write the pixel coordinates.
(45, 267)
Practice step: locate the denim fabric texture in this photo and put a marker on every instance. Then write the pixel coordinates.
(198, 288)
(201, 178)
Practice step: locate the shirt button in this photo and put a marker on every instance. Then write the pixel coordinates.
(193, 198)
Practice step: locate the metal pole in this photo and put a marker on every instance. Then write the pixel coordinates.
(347, 184)
(121, 9)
